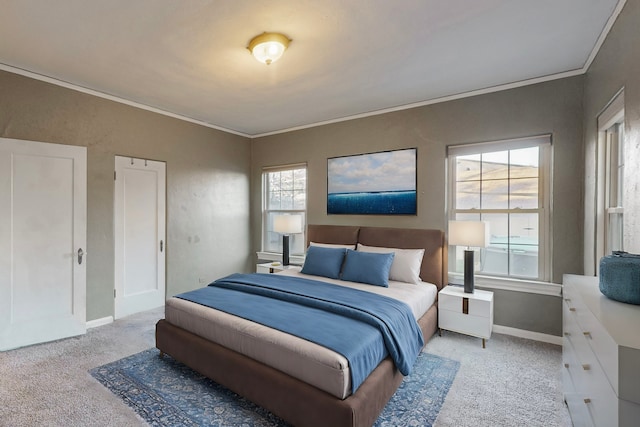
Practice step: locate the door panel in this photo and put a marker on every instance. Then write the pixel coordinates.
(139, 230)
(43, 224)
(43, 262)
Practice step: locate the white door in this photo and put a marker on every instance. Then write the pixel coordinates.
(43, 196)
(139, 235)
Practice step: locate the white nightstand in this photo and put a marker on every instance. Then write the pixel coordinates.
(268, 267)
(470, 314)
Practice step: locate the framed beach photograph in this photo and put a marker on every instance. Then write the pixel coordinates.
(382, 183)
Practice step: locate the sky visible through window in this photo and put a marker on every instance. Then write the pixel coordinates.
(502, 188)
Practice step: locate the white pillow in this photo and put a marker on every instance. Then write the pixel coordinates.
(406, 262)
(331, 245)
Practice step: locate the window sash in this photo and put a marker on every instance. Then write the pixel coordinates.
(272, 242)
(543, 210)
(614, 203)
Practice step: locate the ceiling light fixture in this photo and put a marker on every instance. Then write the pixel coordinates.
(268, 47)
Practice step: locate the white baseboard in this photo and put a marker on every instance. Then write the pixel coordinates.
(521, 333)
(99, 322)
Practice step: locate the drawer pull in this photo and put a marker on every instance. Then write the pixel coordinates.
(587, 400)
(572, 309)
(567, 299)
(586, 367)
(566, 334)
(465, 305)
(566, 365)
(587, 334)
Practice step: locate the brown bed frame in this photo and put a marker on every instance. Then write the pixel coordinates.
(297, 402)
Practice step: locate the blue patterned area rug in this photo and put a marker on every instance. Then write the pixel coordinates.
(167, 393)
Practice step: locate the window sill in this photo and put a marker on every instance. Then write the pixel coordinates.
(274, 256)
(509, 284)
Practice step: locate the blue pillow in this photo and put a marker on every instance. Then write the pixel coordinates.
(325, 262)
(367, 267)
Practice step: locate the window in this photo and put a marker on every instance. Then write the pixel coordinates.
(284, 192)
(507, 184)
(610, 227)
(614, 186)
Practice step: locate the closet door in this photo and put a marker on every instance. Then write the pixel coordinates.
(139, 207)
(42, 242)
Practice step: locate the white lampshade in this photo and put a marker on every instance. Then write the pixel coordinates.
(268, 47)
(287, 224)
(469, 233)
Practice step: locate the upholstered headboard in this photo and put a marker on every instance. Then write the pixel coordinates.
(433, 269)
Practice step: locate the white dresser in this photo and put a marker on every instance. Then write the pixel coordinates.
(600, 355)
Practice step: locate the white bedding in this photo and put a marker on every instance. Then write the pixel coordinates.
(307, 361)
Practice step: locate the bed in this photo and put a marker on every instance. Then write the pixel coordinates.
(290, 395)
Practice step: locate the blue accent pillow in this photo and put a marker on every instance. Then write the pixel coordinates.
(325, 262)
(367, 267)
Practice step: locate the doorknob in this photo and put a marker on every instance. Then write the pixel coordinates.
(80, 255)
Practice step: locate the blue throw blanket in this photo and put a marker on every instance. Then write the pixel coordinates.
(362, 326)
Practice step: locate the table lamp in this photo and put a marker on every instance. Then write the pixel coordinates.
(286, 225)
(469, 234)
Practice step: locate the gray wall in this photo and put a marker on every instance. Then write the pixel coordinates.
(207, 180)
(210, 226)
(554, 107)
(617, 65)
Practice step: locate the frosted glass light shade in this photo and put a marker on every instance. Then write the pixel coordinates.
(268, 47)
(287, 224)
(469, 233)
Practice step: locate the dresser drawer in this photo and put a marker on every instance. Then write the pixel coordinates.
(602, 403)
(582, 322)
(453, 303)
(601, 356)
(579, 410)
(568, 360)
(593, 409)
(601, 343)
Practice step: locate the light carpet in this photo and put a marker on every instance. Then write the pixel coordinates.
(164, 392)
(513, 382)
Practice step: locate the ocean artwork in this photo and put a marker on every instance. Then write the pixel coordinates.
(381, 183)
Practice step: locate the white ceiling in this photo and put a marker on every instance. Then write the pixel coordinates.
(347, 58)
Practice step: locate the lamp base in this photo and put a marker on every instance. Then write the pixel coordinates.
(468, 271)
(285, 249)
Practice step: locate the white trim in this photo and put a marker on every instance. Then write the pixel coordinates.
(613, 113)
(114, 98)
(603, 35)
(99, 322)
(530, 335)
(499, 145)
(511, 284)
(462, 95)
(280, 168)
(454, 97)
(274, 256)
(491, 89)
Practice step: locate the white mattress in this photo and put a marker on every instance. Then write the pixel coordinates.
(307, 361)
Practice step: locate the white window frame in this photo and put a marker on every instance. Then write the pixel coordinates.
(609, 177)
(295, 258)
(541, 284)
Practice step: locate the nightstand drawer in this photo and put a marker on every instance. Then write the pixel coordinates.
(477, 326)
(470, 314)
(453, 303)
